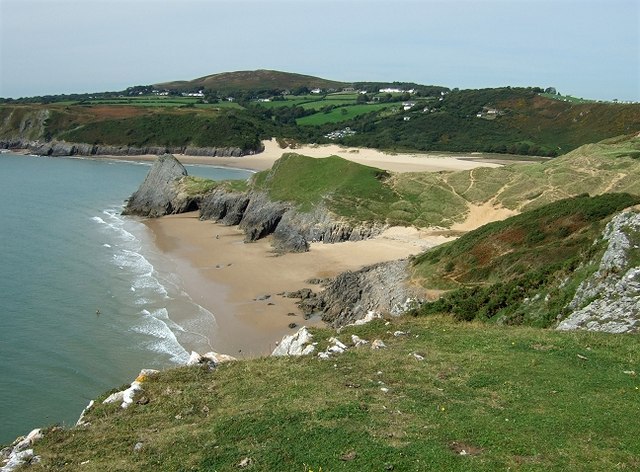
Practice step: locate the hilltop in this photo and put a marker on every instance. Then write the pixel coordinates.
(252, 80)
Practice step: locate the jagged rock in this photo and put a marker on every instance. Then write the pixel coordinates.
(261, 216)
(358, 341)
(159, 193)
(609, 300)
(210, 359)
(297, 344)
(81, 421)
(218, 358)
(352, 296)
(223, 206)
(293, 231)
(20, 453)
(302, 294)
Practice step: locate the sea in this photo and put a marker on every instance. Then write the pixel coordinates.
(86, 300)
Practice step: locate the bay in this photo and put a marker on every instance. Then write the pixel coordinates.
(86, 300)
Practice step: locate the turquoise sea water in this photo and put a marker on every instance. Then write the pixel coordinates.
(85, 299)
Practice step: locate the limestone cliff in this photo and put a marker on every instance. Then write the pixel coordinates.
(609, 300)
(160, 193)
(292, 230)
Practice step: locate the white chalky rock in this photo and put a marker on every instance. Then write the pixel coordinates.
(297, 344)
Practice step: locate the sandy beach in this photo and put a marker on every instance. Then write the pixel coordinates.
(240, 282)
(395, 162)
(231, 278)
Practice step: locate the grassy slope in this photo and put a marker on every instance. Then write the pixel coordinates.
(540, 256)
(529, 124)
(441, 199)
(518, 398)
(219, 129)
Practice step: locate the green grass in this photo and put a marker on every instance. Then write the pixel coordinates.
(517, 398)
(197, 186)
(350, 189)
(344, 113)
(218, 129)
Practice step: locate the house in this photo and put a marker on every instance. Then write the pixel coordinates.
(316, 90)
(391, 90)
(408, 105)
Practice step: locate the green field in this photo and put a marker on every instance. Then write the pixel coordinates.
(344, 113)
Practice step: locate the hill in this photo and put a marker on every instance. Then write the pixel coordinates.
(524, 269)
(513, 120)
(252, 80)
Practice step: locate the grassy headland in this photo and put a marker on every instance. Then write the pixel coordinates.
(510, 398)
(360, 193)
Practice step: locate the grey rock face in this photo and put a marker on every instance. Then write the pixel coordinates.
(63, 148)
(223, 206)
(351, 296)
(261, 216)
(292, 231)
(609, 300)
(159, 195)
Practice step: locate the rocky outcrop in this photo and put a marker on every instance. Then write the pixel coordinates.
(292, 230)
(125, 397)
(261, 217)
(63, 148)
(160, 192)
(352, 296)
(210, 359)
(298, 344)
(20, 452)
(302, 344)
(609, 300)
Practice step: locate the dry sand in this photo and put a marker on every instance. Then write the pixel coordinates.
(228, 277)
(401, 162)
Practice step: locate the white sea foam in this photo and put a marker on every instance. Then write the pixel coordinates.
(163, 339)
(114, 223)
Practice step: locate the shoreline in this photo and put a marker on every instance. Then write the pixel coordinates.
(232, 279)
(394, 162)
